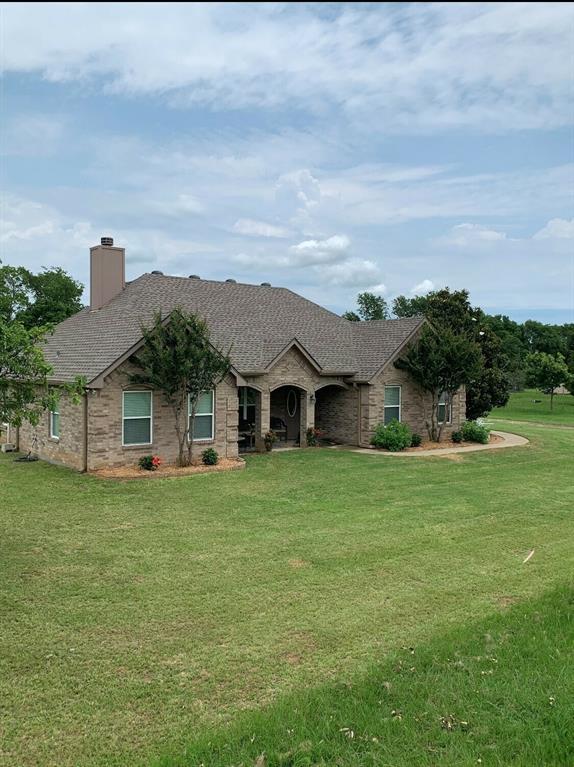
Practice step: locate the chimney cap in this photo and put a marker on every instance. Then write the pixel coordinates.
(107, 241)
(194, 277)
(157, 271)
(230, 279)
(265, 284)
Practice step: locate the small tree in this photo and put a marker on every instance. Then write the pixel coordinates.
(24, 389)
(369, 307)
(440, 362)
(179, 358)
(545, 372)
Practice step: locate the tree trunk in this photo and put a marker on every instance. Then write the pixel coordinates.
(552, 398)
(177, 410)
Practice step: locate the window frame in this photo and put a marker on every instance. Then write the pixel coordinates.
(400, 405)
(212, 414)
(55, 437)
(447, 403)
(243, 406)
(136, 418)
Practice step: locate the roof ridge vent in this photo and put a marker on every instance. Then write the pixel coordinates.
(194, 277)
(230, 279)
(157, 271)
(265, 284)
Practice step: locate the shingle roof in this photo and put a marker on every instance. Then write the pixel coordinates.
(257, 321)
(377, 340)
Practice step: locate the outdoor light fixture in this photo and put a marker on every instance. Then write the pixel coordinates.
(311, 398)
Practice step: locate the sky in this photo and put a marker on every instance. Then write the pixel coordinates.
(328, 148)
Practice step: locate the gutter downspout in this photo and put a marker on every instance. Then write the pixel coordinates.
(85, 435)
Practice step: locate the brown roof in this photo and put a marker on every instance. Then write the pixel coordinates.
(257, 321)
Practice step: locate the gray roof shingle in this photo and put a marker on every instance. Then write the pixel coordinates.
(257, 321)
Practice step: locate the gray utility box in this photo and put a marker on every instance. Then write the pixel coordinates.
(8, 447)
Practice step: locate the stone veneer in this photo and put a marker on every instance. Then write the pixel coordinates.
(346, 413)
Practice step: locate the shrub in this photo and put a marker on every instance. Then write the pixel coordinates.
(313, 436)
(269, 439)
(416, 440)
(456, 436)
(210, 457)
(394, 437)
(475, 432)
(149, 462)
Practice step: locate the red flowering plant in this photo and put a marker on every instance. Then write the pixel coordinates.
(149, 462)
(313, 436)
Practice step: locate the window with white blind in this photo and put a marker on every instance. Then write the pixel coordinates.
(392, 403)
(55, 422)
(203, 426)
(137, 418)
(444, 408)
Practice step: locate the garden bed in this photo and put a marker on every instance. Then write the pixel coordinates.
(165, 470)
(449, 443)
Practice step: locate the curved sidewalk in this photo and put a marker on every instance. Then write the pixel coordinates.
(508, 440)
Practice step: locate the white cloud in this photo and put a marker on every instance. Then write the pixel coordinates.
(557, 228)
(251, 228)
(422, 288)
(418, 67)
(332, 249)
(354, 272)
(182, 205)
(464, 235)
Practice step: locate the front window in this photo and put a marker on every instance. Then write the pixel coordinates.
(137, 418)
(203, 426)
(444, 408)
(392, 403)
(247, 398)
(55, 422)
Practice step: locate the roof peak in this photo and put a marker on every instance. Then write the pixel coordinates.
(228, 281)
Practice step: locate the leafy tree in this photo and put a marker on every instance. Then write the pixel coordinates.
(369, 307)
(56, 296)
(451, 310)
(441, 361)
(14, 291)
(545, 372)
(178, 358)
(24, 390)
(409, 307)
(38, 300)
(539, 337)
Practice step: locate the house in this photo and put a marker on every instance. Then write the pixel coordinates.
(294, 365)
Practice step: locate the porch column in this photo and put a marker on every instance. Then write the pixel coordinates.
(262, 418)
(307, 414)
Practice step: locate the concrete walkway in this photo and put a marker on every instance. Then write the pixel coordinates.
(508, 440)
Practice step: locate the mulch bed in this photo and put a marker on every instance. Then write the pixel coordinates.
(166, 471)
(449, 443)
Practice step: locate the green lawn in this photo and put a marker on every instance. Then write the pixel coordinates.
(134, 615)
(522, 407)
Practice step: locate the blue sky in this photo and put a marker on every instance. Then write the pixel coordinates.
(329, 148)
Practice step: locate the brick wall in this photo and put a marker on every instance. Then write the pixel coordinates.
(105, 424)
(336, 414)
(69, 448)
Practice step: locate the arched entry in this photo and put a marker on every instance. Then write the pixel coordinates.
(288, 414)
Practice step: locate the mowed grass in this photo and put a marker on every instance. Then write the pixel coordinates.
(496, 692)
(136, 614)
(523, 407)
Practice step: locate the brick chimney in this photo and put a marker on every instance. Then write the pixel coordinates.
(107, 272)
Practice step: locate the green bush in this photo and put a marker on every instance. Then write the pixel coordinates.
(210, 457)
(456, 436)
(416, 440)
(474, 432)
(394, 437)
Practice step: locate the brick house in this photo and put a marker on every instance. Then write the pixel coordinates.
(294, 365)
